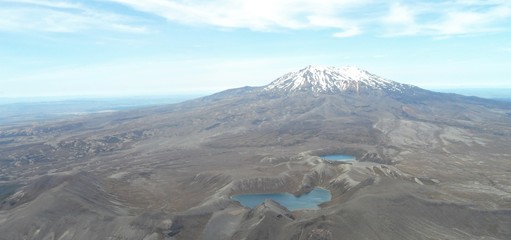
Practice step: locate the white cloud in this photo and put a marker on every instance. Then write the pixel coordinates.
(61, 16)
(45, 3)
(400, 20)
(448, 18)
(468, 22)
(261, 15)
(344, 18)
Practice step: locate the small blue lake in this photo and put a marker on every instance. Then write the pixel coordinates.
(309, 200)
(339, 157)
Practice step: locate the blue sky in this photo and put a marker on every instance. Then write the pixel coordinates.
(157, 47)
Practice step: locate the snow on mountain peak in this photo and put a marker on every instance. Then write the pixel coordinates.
(320, 79)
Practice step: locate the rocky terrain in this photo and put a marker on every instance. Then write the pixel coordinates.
(430, 165)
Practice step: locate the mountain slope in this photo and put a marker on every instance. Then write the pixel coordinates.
(180, 163)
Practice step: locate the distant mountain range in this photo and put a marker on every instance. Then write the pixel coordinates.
(19, 111)
(490, 93)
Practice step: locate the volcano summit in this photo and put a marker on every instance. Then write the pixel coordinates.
(318, 79)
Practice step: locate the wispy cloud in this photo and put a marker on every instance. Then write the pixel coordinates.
(61, 16)
(46, 3)
(464, 21)
(345, 18)
(400, 20)
(262, 15)
(448, 18)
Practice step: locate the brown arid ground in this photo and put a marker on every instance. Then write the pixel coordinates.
(430, 166)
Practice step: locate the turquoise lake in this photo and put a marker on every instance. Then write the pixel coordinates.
(309, 200)
(339, 157)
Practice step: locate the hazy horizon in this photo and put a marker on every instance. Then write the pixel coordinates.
(490, 93)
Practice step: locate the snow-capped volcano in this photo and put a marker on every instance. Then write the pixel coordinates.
(320, 79)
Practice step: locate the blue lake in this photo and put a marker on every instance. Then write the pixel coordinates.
(339, 157)
(309, 200)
